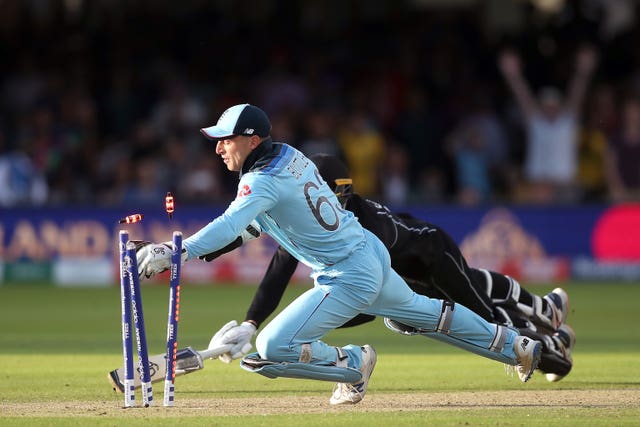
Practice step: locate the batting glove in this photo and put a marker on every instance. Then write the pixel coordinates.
(154, 258)
(237, 335)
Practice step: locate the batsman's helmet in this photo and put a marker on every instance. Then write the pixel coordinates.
(335, 172)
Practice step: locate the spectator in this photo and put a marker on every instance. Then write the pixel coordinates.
(202, 183)
(74, 176)
(479, 149)
(604, 107)
(145, 188)
(121, 105)
(552, 127)
(414, 79)
(472, 163)
(284, 128)
(623, 155)
(395, 175)
(25, 86)
(21, 184)
(39, 135)
(116, 173)
(279, 89)
(320, 134)
(363, 147)
(592, 144)
(143, 140)
(178, 110)
(418, 130)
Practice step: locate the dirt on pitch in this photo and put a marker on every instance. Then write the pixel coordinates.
(374, 402)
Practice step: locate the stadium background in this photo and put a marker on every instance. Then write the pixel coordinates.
(101, 102)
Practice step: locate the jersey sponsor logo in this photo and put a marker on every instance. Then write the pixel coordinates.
(244, 191)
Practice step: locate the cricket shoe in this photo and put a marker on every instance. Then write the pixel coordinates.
(354, 393)
(528, 352)
(564, 338)
(558, 301)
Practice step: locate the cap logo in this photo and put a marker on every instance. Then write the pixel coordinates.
(249, 131)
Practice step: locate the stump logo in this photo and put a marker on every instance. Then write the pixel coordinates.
(153, 369)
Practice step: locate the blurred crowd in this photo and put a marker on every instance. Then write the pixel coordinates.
(492, 101)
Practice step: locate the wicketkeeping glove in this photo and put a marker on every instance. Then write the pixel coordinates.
(252, 231)
(237, 335)
(154, 258)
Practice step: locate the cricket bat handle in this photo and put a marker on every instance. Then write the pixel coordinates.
(212, 353)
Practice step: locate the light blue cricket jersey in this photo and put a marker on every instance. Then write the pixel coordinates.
(283, 190)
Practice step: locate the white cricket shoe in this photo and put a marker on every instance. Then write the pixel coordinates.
(354, 393)
(566, 337)
(558, 300)
(528, 352)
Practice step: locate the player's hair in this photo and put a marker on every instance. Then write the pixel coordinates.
(335, 172)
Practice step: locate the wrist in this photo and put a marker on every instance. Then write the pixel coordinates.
(252, 323)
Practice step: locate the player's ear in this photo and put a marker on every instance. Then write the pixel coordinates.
(254, 141)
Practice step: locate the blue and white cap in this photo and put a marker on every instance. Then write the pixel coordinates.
(241, 119)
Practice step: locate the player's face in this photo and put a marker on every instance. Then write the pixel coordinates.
(234, 150)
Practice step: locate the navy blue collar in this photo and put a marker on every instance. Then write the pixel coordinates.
(256, 159)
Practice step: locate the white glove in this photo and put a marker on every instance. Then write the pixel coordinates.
(237, 335)
(154, 258)
(252, 231)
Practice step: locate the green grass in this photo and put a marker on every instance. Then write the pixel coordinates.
(57, 345)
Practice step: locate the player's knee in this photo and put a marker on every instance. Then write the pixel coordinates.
(272, 349)
(262, 345)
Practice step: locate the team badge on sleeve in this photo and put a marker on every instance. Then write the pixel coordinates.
(244, 191)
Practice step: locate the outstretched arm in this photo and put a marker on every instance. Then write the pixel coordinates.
(586, 62)
(509, 64)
